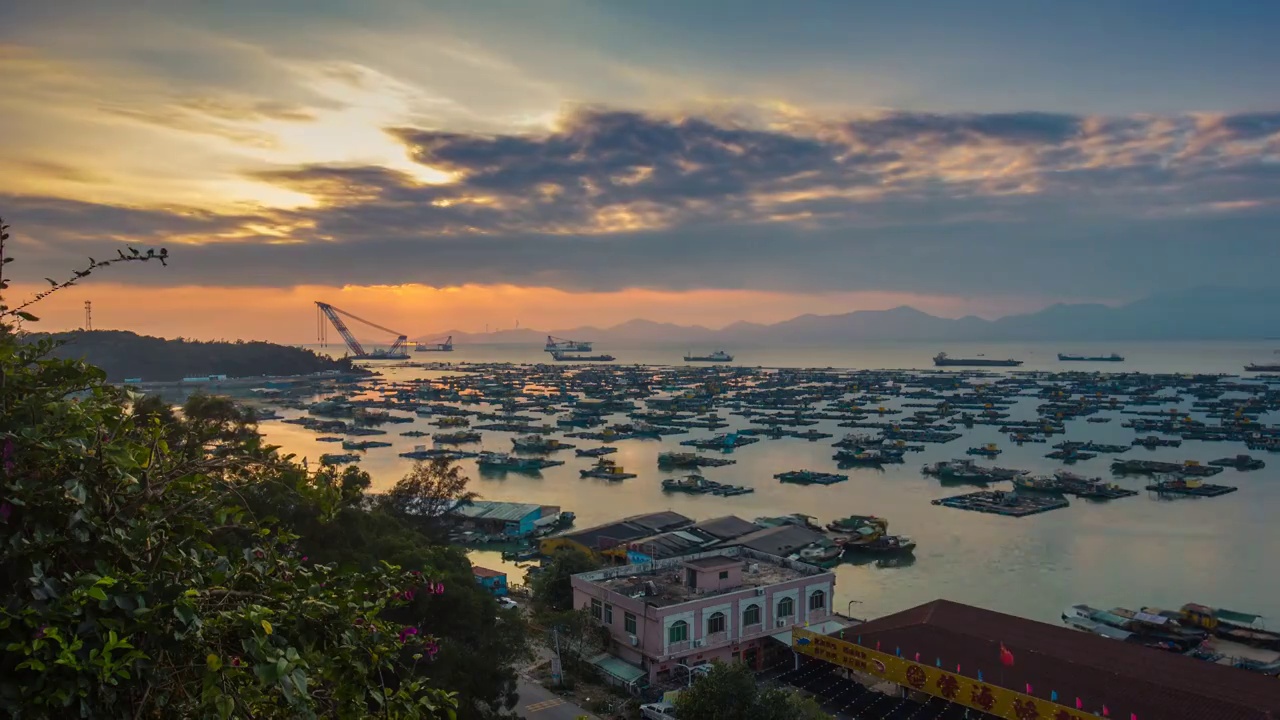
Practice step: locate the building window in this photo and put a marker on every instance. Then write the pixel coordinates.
(724, 574)
(596, 609)
(715, 623)
(608, 614)
(818, 600)
(751, 616)
(678, 632)
(629, 622)
(786, 608)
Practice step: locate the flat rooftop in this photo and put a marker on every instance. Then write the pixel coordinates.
(661, 583)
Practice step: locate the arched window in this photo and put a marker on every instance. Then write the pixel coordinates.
(818, 600)
(786, 607)
(678, 632)
(751, 616)
(715, 623)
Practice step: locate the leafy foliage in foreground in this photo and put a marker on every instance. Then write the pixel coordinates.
(137, 582)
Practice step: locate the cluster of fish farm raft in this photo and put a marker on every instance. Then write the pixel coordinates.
(728, 412)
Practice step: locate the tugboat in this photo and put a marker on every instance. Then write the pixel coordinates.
(1062, 357)
(718, 356)
(941, 360)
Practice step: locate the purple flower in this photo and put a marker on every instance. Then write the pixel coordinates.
(407, 633)
(304, 558)
(5, 511)
(408, 595)
(9, 452)
(40, 632)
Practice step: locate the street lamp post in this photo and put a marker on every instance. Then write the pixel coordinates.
(849, 609)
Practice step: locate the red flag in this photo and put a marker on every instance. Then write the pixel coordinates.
(1006, 657)
(1079, 704)
(1105, 711)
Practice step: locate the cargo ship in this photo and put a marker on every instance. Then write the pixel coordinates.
(717, 356)
(1255, 367)
(1062, 357)
(561, 356)
(941, 360)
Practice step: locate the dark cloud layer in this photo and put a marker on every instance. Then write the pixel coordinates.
(963, 203)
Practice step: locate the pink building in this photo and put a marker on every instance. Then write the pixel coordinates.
(716, 605)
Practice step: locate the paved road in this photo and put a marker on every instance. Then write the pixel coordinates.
(538, 703)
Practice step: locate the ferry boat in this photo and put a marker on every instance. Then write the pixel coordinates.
(941, 360)
(1113, 357)
(715, 357)
(1255, 367)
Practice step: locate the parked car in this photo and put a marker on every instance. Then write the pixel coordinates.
(507, 603)
(658, 711)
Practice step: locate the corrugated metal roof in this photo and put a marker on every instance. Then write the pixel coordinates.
(498, 511)
(1129, 678)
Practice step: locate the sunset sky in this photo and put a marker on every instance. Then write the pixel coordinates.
(457, 164)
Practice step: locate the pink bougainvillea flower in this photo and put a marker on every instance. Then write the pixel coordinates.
(407, 633)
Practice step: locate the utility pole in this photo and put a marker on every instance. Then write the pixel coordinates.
(557, 670)
(88, 315)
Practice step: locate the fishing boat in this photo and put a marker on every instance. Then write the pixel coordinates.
(1240, 627)
(329, 459)
(1255, 367)
(456, 438)
(606, 469)
(942, 360)
(719, 356)
(989, 450)
(884, 545)
(693, 484)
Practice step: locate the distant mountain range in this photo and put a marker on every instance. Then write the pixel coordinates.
(1210, 313)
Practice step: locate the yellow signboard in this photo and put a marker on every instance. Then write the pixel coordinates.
(932, 680)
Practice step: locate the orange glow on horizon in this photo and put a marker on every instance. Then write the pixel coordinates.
(287, 315)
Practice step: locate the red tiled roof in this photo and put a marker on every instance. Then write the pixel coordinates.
(478, 571)
(1130, 679)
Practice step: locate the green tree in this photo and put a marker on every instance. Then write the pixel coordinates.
(428, 496)
(731, 692)
(134, 581)
(552, 589)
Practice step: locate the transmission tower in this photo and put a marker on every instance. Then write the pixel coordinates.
(88, 315)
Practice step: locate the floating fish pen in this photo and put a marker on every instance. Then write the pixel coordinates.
(1191, 488)
(596, 452)
(810, 477)
(1070, 455)
(868, 458)
(456, 438)
(363, 444)
(721, 442)
(1239, 462)
(330, 459)
(811, 435)
(329, 439)
(1155, 467)
(689, 460)
(422, 453)
(414, 433)
(1151, 441)
(999, 502)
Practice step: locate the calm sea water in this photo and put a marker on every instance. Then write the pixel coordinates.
(1131, 552)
